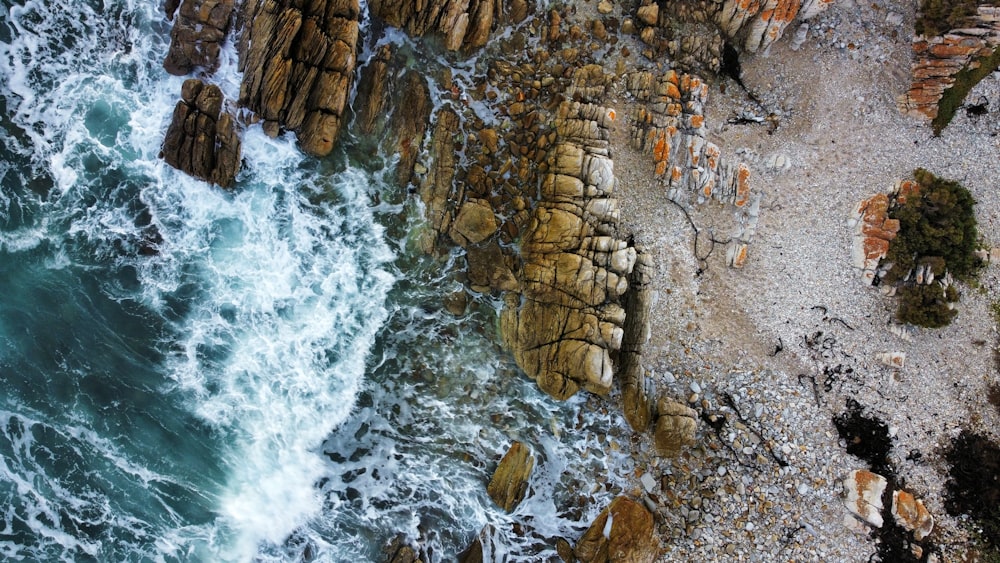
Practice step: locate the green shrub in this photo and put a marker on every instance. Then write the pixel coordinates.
(926, 305)
(937, 230)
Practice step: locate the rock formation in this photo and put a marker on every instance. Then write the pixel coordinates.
(622, 533)
(298, 62)
(671, 127)
(911, 515)
(438, 187)
(568, 318)
(202, 139)
(755, 24)
(938, 61)
(510, 481)
(199, 30)
(462, 23)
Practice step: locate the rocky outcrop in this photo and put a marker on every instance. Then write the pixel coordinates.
(399, 551)
(622, 533)
(462, 23)
(692, 33)
(938, 61)
(202, 139)
(298, 62)
(567, 320)
(510, 481)
(671, 127)
(198, 33)
(637, 393)
(438, 188)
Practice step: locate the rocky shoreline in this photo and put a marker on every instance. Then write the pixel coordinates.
(617, 212)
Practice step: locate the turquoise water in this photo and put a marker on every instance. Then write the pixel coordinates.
(188, 374)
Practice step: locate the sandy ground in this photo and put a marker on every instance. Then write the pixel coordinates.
(716, 330)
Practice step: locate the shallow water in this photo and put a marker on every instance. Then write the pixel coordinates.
(267, 374)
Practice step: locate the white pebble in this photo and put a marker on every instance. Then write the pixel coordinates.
(695, 388)
(722, 471)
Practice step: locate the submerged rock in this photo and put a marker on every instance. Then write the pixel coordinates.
(202, 139)
(198, 33)
(462, 23)
(622, 533)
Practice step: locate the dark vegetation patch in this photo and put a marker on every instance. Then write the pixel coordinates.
(937, 17)
(953, 98)
(937, 232)
(993, 395)
(867, 437)
(973, 488)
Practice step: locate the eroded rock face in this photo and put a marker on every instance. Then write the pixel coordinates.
(510, 481)
(298, 62)
(671, 127)
(628, 539)
(568, 319)
(199, 30)
(202, 139)
(637, 395)
(462, 23)
(937, 60)
(438, 187)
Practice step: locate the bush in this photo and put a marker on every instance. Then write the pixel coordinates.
(937, 231)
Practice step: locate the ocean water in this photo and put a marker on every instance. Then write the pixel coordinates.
(267, 374)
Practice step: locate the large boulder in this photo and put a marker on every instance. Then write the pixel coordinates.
(298, 63)
(622, 533)
(202, 139)
(568, 319)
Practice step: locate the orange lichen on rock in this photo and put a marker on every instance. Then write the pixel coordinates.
(742, 185)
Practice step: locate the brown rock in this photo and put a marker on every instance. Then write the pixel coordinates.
(438, 187)
(649, 14)
(465, 24)
(510, 481)
(675, 427)
(630, 539)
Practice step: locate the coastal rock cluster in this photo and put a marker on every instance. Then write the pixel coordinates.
(692, 33)
(938, 60)
(202, 138)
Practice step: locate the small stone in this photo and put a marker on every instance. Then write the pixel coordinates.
(648, 482)
(604, 7)
(695, 388)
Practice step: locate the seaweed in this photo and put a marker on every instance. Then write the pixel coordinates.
(973, 487)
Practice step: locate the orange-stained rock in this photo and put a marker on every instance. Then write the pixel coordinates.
(510, 480)
(910, 514)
